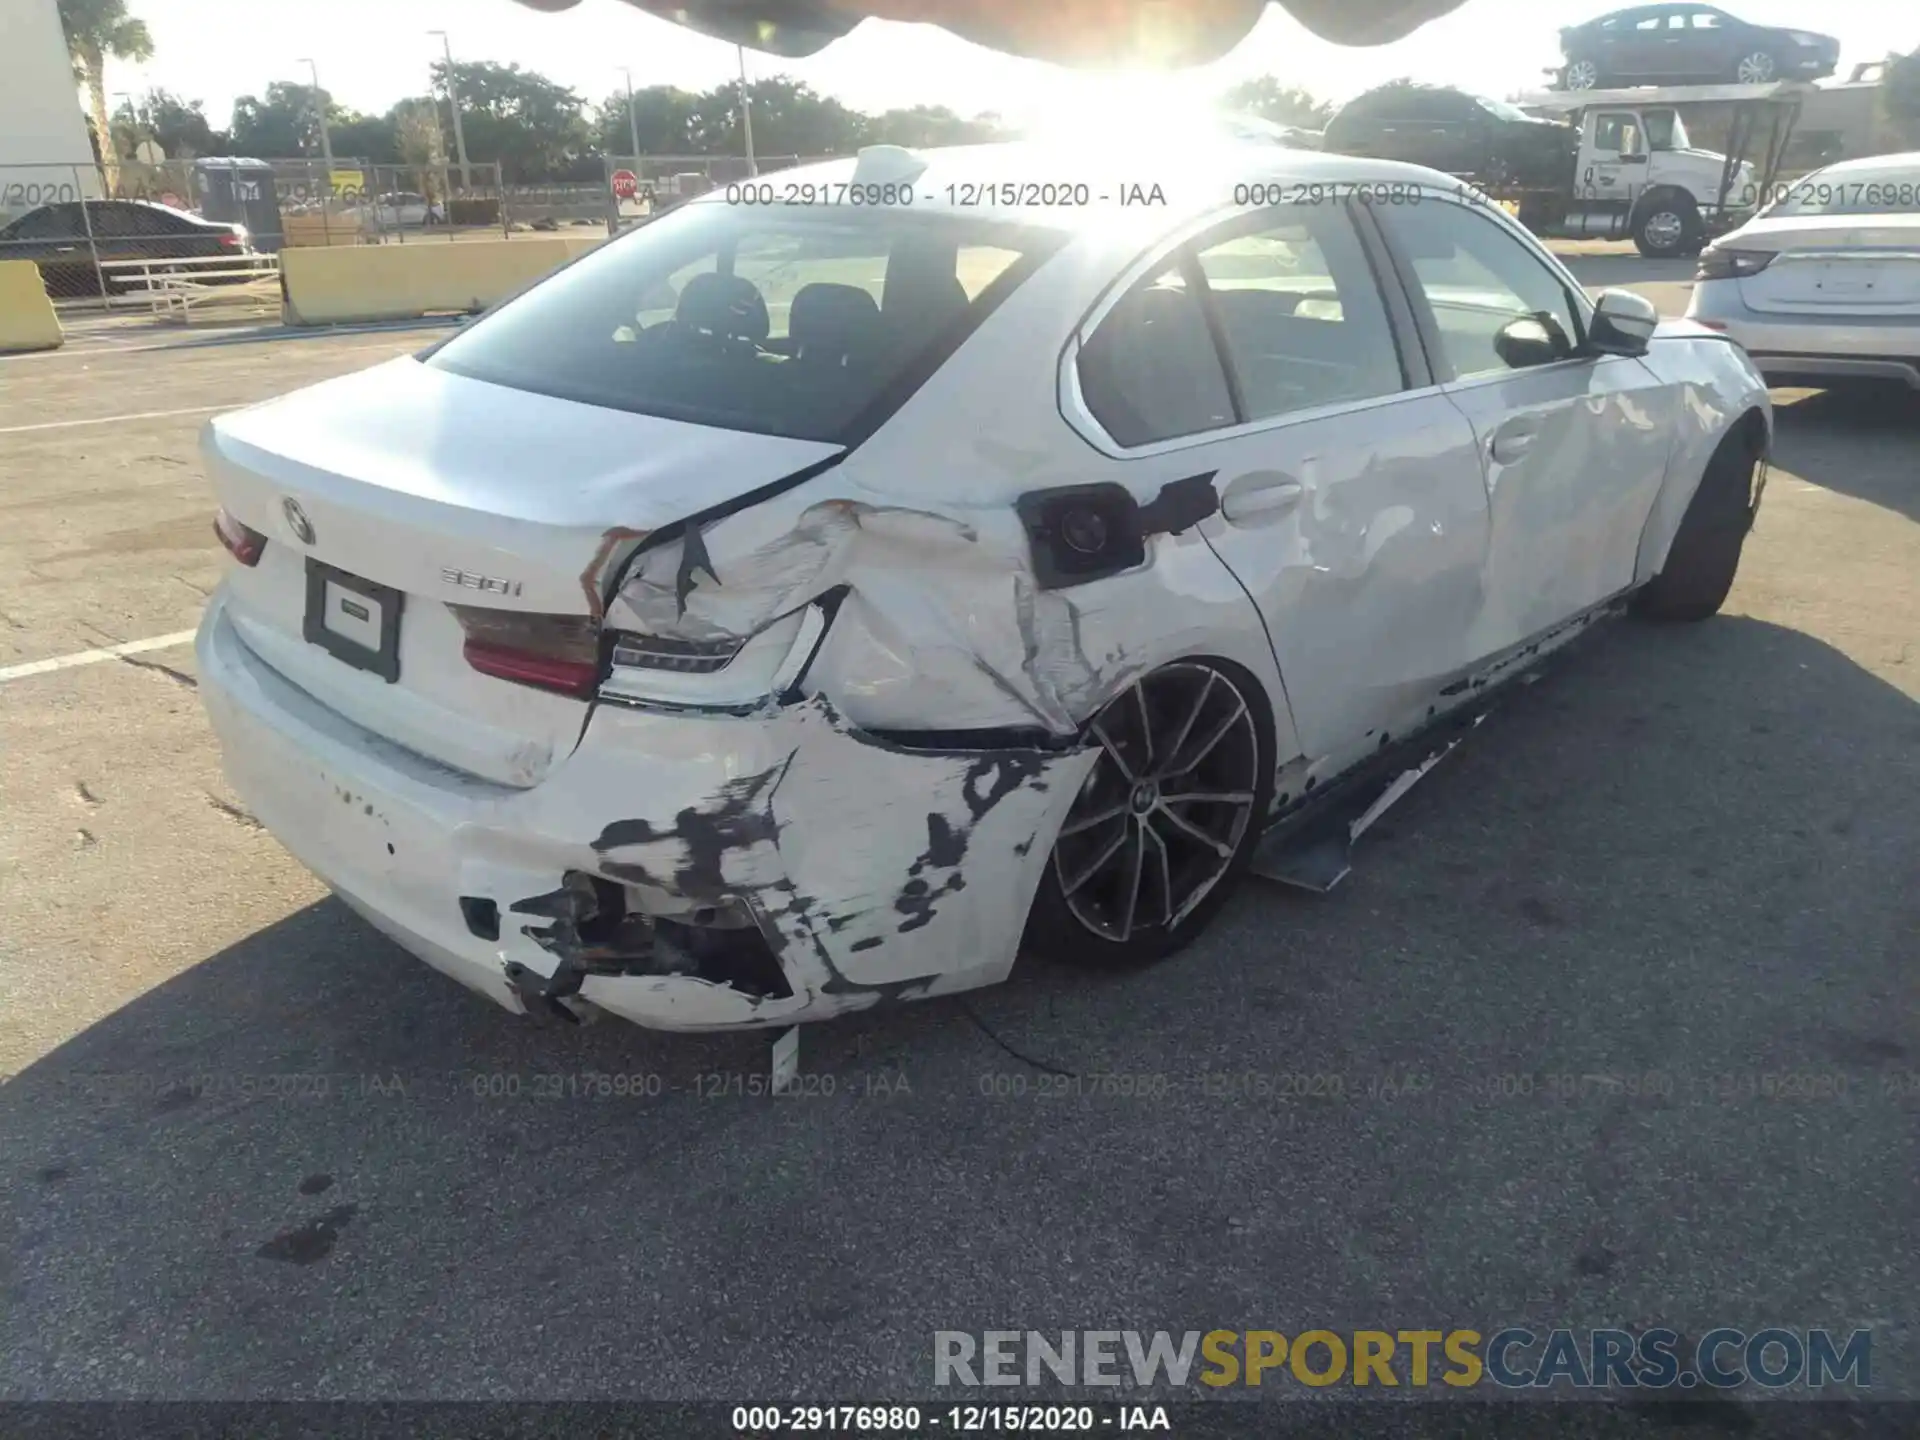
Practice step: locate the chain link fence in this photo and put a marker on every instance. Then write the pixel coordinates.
(639, 186)
(179, 236)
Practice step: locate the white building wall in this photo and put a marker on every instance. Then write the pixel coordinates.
(41, 122)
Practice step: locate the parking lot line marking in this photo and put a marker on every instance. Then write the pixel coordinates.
(94, 657)
(113, 419)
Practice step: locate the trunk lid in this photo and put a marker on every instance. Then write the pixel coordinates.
(443, 490)
(1834, 265)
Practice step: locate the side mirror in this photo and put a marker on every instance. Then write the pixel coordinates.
(1623, 324)
(1532, 340)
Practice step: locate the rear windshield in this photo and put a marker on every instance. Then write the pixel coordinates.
(786, 320)
(1854, 191)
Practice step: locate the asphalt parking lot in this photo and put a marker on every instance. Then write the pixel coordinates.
(1614, 1024)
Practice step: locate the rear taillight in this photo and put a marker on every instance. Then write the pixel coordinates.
(243, 542)
(1718, 264)
(548, 652)
(686, 657)
(230, 241)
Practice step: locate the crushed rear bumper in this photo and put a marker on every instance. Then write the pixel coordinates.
(866, 870)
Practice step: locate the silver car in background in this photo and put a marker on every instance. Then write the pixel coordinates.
(1824, 285)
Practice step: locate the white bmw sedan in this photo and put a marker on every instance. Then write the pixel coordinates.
(799, 602)
(1823, 286)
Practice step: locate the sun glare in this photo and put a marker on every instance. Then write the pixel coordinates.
(1137, 110)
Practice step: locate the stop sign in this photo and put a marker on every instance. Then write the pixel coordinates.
(626, 184)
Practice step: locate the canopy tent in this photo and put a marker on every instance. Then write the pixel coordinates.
(1068, 32)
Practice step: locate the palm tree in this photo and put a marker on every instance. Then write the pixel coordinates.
(97, 30)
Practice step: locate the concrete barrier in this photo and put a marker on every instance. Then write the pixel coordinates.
(342, 284)
(27, 321)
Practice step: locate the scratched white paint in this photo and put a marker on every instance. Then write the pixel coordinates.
(1406, 558)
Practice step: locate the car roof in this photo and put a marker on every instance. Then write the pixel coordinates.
(1870, 164)
(1011, 181)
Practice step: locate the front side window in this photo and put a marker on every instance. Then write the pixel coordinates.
(1478, 278)
(794, 321)
(1708, 20)
(1616, 134)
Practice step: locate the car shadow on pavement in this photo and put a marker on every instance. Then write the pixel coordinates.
(1859, 441)
(312, 1167)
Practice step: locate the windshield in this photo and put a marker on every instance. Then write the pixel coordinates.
(1854, 190)
(785, 320)
(1666, 130)
(1502, 109)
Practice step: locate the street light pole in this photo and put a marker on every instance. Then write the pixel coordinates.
(453, 102)
(633, 122)
(746, 110)
(326, 138)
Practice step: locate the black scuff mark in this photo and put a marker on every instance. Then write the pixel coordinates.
(991, 778)
(309, 1243)
(693, 559)
(919, 898)
(872, 942)
(741, 818)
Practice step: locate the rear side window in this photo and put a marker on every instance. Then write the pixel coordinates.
(1151, 372)
(1286, 294)
(795, 321)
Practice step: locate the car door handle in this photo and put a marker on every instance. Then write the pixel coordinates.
(1258, 494)
(1513, 440)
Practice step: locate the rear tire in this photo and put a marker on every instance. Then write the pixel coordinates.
(1705, 555)
(1137, 871)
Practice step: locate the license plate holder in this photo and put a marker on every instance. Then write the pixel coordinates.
(354, 620)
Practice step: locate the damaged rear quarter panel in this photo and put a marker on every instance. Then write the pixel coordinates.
(876, 871)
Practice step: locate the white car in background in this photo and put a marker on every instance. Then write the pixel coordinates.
(787, 608)
(1824, 285)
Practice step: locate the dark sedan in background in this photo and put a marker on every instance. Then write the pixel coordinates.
(66, 243)
(1680, 44)
(1467, 135)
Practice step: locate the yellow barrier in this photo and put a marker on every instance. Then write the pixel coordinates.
(335, 285)
(27, 321)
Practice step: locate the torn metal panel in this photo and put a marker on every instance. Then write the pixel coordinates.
(874, 871)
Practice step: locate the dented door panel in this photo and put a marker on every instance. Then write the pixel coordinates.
(1370, 583)
(1574, 456)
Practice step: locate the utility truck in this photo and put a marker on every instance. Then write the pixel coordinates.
(1639, 176)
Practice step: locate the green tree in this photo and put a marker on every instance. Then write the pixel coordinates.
(283, 124)
(927, 125)
(373, 138)
(663, 114)
(97, 31)
(1281, 104)
(533, 128)
(179, 127)
(789, 118)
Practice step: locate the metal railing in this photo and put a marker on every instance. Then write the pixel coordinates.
(91, 230)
